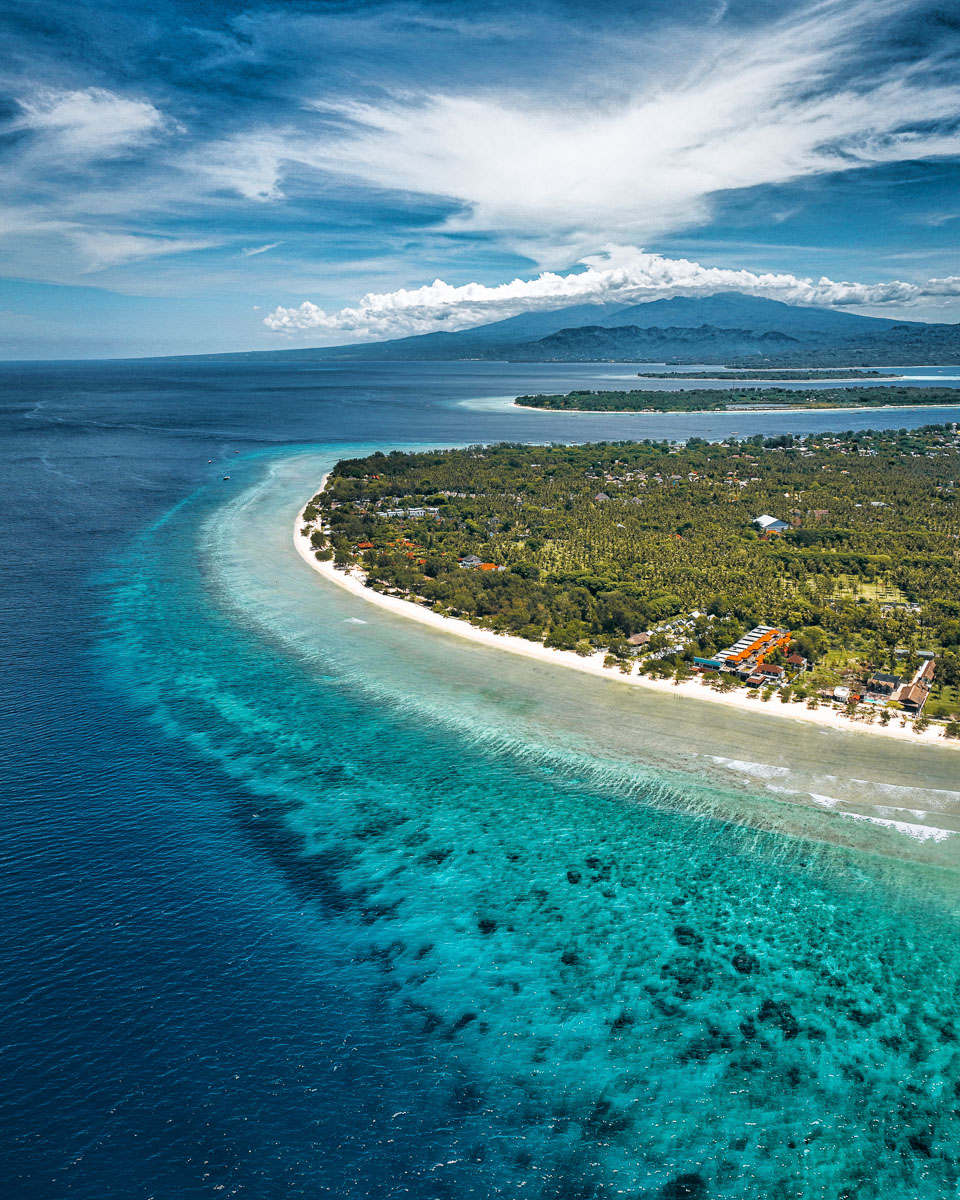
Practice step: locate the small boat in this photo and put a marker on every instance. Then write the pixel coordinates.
(226, 477)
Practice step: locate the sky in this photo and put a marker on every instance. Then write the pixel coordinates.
(190, 176)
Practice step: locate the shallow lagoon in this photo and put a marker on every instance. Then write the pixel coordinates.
(642, 970)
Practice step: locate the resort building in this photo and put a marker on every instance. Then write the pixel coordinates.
(883, 685)
(755, 645)
(914, 696)
(768, 524)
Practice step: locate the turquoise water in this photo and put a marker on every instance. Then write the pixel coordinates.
(622, 967)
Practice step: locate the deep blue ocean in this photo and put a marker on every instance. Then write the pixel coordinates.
(300, 900)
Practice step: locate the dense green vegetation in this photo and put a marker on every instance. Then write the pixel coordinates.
(771, 375)
(708, 399)
(600, 542)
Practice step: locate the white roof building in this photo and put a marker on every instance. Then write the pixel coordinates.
(770, 524)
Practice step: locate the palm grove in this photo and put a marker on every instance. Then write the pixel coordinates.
(686, 399)
(582, 547)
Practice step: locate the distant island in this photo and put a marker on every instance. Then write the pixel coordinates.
(811, 568)
(721, 399)
(771, 374)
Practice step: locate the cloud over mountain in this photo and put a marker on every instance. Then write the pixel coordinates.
(619, 274)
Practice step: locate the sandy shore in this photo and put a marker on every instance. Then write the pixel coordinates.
(352, 581)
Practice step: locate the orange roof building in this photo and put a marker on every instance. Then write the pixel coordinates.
(756, 645)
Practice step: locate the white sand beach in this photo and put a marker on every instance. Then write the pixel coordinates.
(352, 581)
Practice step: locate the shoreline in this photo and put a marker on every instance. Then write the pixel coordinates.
(827, 718)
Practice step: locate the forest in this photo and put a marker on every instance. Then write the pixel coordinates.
(771, 375)
(583, 547)
(714, 399)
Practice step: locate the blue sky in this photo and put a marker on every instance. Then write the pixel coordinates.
(189, 177)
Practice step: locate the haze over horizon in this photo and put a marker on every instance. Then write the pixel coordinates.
(219, 177)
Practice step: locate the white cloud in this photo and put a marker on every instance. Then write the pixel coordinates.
(99, 251)
(252, 250)
(91, 121)
(251, 164)
(619, 274)
(557, 177)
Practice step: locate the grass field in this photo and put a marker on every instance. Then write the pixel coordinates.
(876, 591)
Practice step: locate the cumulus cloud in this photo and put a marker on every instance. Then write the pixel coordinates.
(89, 121)
(618, 275)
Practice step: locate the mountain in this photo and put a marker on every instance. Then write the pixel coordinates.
(888, 344)
(527, 326)
(725, 327)
(736, 310)
(638, 344)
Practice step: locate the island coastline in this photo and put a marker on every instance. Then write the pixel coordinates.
(730, 412)
(352, 580)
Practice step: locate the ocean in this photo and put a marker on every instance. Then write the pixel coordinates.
(304, 900)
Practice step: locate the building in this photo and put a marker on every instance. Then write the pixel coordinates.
(883, 685)
(914, 696)
(470, 561)
(768, 524)
(798, 662)
(756, 644)
(638, 639)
